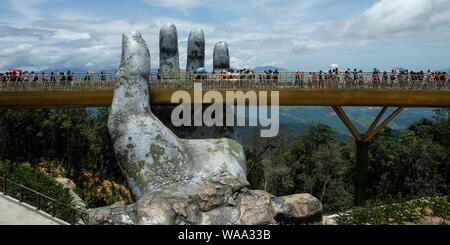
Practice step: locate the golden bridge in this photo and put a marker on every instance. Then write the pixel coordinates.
(305, 88)
(96, 90)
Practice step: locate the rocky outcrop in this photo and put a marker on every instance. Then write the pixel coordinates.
(297, 208)
(225, 200)
(116, 214)
(151, 156)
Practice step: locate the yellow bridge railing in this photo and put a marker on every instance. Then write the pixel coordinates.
(231, 81)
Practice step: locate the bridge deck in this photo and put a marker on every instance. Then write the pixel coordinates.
(97, 90)
(287, 97)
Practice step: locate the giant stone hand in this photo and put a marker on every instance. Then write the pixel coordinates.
(150, 155)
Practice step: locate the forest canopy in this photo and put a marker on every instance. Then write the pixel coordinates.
(400, 162)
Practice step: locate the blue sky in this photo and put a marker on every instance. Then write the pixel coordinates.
(297, 35)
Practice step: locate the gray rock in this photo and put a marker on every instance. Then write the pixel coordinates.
(116, 214)
(168, 49)
(221, 216)
(159, 208)
(218, 192)
(223, 201)
(221, 57)
(256, 208)
(195, 50)
(198, 132)
(297, 207)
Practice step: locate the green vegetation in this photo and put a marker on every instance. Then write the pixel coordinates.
(74, 143)
(404, 162)
(71, 143)
(423, 208)
(37, 180)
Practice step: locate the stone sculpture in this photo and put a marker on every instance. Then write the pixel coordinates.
(151, 156)
(182, 181)
(168, 49)
(195, 50)
(222, 201)
(221, 57)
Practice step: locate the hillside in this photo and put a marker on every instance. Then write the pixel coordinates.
(297, 118)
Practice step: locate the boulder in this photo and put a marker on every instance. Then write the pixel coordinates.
(296, 208)
(227, 215)
(159, 208)
(225, 200)
(116, 214)
(218, 192)
(256, 208)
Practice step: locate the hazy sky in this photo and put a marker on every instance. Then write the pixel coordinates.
(293, 34)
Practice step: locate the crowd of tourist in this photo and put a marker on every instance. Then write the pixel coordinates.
(356, 78)
(333, 78)
(43, 77)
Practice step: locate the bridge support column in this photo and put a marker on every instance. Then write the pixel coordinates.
(362, 148)
(362, 161)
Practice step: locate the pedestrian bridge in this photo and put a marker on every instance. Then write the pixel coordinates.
(96, 90)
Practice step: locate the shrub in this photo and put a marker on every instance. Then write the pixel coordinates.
(40, 182)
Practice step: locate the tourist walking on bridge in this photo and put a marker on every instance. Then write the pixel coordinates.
(384, 80)
(70, 78)
(392, 78)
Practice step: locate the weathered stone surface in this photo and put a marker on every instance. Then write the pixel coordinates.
(198, 132)
(168, 49)
(116, 214)
(218, 192)
(223, 201)
(256, 208)
(159, 208)
(149, 154)
(195, 50)
(235, 182)
(221, 57)
(216, 156)
(221, 216)
(296, 207)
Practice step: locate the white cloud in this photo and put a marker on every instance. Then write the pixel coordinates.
(383, 20)
(173, 3)
(258, 32)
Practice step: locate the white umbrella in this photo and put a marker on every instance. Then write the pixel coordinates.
(334, 66)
